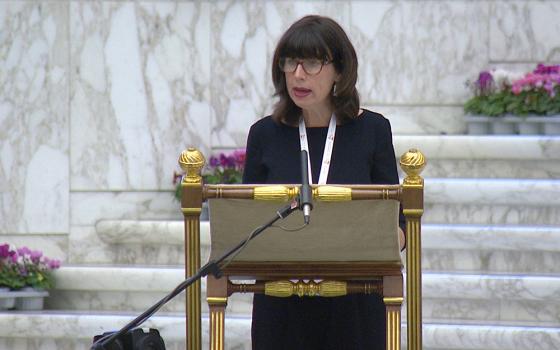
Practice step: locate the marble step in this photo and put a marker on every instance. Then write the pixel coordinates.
(125, 288)
(492, 201)
(507, 298)
(74, 331)
(465, 248)
(495, 156)
(491, 249)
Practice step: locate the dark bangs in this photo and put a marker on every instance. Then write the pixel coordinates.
(304, 44)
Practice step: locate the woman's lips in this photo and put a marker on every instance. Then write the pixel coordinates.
(301, 92)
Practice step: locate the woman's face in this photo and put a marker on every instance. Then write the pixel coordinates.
(311, 92)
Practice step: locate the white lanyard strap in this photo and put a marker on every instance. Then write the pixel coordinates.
(327, 153)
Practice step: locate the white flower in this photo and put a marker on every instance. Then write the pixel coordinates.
(503, 78)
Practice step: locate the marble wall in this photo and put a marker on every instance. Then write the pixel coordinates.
(98, 98)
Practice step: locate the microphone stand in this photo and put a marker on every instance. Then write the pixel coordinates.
(212, 267)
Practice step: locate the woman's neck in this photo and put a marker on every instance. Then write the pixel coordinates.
(317, 117)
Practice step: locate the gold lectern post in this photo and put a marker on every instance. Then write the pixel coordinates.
(192, 162)
(413, 162)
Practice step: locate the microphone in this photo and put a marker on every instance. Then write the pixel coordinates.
(305, 195)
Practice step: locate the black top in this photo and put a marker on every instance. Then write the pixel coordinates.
(362, 154)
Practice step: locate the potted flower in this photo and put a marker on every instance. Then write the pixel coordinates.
(224, 168)
(515, 102)
(10, 278)
(35, 271)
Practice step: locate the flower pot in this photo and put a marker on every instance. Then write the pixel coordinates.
(30, 298)
(478, 125)
(552, 125)
(500, 126)
(528, 127)
(7, 299)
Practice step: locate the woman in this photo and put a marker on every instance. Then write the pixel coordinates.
(314, 70)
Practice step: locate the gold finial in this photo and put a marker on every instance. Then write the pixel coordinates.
(192, 162)
(413, 162)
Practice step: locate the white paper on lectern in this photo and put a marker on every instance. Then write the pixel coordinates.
(359, 230)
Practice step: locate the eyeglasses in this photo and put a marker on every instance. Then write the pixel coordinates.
(311, 66)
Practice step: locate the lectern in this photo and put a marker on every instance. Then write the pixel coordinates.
(350, 247)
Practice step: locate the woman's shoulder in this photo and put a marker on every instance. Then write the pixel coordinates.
(369, 118)
(266, 125)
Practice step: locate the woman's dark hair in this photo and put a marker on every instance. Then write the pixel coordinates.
(322, 38)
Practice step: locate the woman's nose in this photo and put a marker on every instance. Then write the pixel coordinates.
(299, 72)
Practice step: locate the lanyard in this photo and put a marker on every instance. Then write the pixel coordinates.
(327, 153)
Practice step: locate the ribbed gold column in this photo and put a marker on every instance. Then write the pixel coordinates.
(393, 314)
(217, 322)
(414, 283)
(194, 329)
(413, 162)
(192, 161)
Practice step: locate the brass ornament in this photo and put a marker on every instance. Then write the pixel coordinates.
(192, 161)
(284, 289)
(412, 163)
(275, 193)
(332, 193)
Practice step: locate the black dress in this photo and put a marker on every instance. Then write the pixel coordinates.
(363, 154)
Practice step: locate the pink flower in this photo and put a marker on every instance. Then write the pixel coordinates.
(53, 264)
(239, 156)
(4, 251)
(23, 251)
(36, 256)
(516, 89)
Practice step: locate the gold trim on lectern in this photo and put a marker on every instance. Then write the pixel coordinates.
(284, 289)
(332, 194)
(275, 193)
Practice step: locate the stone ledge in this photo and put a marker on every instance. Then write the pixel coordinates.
(491, 238)
(49, 325)
(512, 147)
(435, 285)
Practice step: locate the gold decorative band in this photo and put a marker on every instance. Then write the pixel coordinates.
(332, 194)
(284, 289)
(275, 193)
(216, 300)
(191, 211)
(393, 300)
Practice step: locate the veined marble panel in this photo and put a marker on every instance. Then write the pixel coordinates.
(34, 182)
(244, 35)
(524, 30)
(418, 52)
(140, 78)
